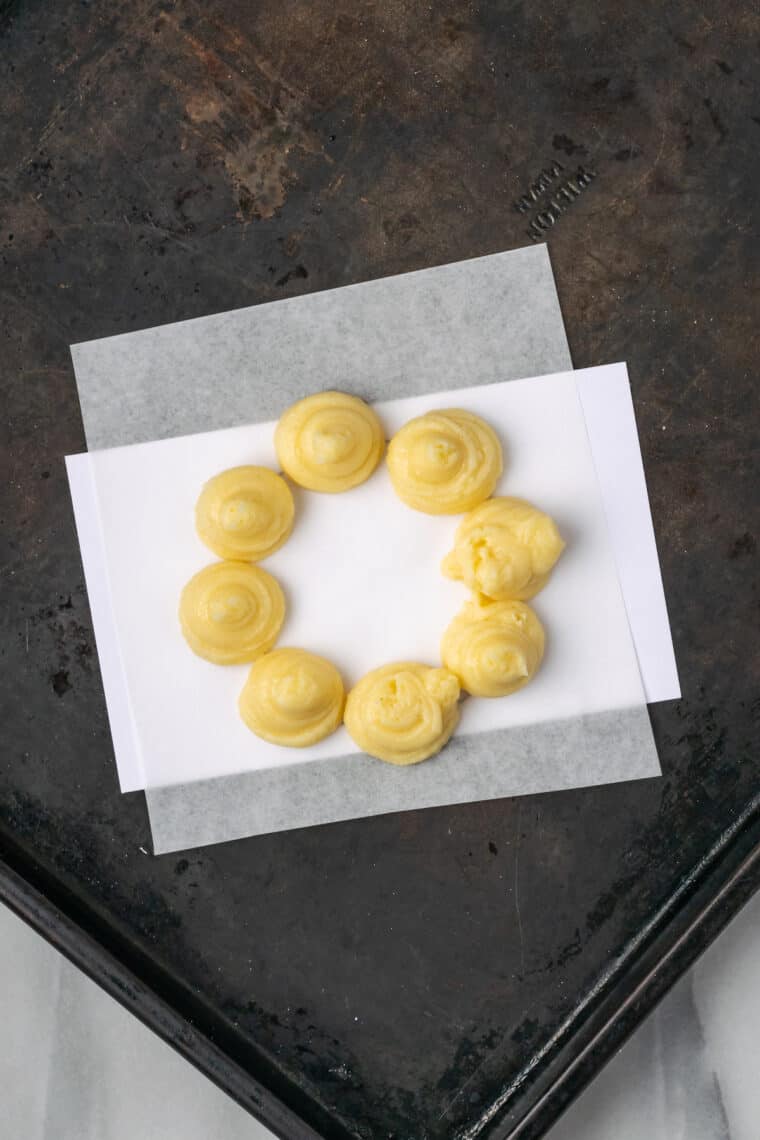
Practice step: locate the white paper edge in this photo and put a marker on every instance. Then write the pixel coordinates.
(123, 729)
(613, 435)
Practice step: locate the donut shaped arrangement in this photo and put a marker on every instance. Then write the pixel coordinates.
(445, 462)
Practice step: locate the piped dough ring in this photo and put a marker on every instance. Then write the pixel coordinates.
(293, 698)
(445, 462)
(231, 612)
(404, 712)
(494, 648)
(505, 549)
(329, 442)
(245, 513)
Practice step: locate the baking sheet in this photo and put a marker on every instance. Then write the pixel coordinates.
(392, 920)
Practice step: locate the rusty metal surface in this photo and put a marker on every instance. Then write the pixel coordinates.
(390, 977)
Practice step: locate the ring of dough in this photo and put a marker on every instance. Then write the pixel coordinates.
(444, 463)
(245, 513)
(404, 712)
(504, 549)
(293, 698)
(329, 442)
(494, 648)
(231, 612)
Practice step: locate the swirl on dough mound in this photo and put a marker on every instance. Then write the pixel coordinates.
(504, 549)
(494, 648)
(444, 463)
(404, 712)
(293, 698)
(231, 612)
(245, 513)
(329, 442)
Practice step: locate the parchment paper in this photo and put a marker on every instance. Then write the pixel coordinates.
(473, 322)
(480, 319)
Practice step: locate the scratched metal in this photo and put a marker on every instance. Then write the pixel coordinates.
(432, 974)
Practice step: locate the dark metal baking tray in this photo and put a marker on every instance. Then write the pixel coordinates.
(458, 972)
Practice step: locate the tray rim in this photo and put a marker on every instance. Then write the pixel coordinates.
(682, 928)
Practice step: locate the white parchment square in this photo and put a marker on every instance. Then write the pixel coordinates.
(361, 573)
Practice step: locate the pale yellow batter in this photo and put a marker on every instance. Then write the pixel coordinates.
(504, 549)
(292, 697)
(404, 712)
(245, 513)
(329, 442)
(494, 648)
(446, 462)
(231, 612)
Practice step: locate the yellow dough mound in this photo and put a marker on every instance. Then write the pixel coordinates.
(504, 549)
(444, 463)
(494, 648)
(231, 612)
(404, 712)
(329, 442)
(245, 513)
(292, 697)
